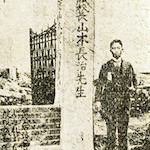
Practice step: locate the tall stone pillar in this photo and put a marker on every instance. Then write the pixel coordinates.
(75, 37)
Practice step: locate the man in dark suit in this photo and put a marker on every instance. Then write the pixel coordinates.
(116, 80)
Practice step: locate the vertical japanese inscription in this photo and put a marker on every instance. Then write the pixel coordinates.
(82, 11)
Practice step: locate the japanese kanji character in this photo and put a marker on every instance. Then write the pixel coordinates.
(82, 39)
(81, 78)
(82, 28)
(81, 54)
(80, 92)
(82, 65)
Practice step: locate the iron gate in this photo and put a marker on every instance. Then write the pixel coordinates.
(43, 65)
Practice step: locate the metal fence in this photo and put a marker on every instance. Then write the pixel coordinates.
(43, 65)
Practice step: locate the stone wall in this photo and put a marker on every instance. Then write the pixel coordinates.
(26, 126)
(21, 97)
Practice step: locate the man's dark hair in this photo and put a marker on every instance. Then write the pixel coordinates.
(116, 41)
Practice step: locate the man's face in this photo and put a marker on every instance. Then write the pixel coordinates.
(116, 50)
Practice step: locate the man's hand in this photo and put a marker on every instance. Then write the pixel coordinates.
(132, 90)
(97, 106)
(96, 82)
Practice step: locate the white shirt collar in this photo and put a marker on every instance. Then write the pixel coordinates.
(117, 62)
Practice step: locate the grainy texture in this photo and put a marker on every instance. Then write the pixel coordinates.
(27, 127)
(84, 30)
(128, 21)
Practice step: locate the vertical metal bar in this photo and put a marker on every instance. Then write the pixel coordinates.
(41, 51)
(54, 46)
(45, 47)
(51, 48)
(31, 59)
(36, 48)
(55, 49)
(35, 59)
(48, 50)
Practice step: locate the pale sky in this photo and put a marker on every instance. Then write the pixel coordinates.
(126, 20)
(129, 21)
(16, 17)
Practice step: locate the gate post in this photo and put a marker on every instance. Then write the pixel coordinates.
(75, 35)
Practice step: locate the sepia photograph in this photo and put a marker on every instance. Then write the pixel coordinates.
(74, 75)
(122, 75)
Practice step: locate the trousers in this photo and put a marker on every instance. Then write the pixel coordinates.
(117, 124)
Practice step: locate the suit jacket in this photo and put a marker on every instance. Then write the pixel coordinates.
(113, 85)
